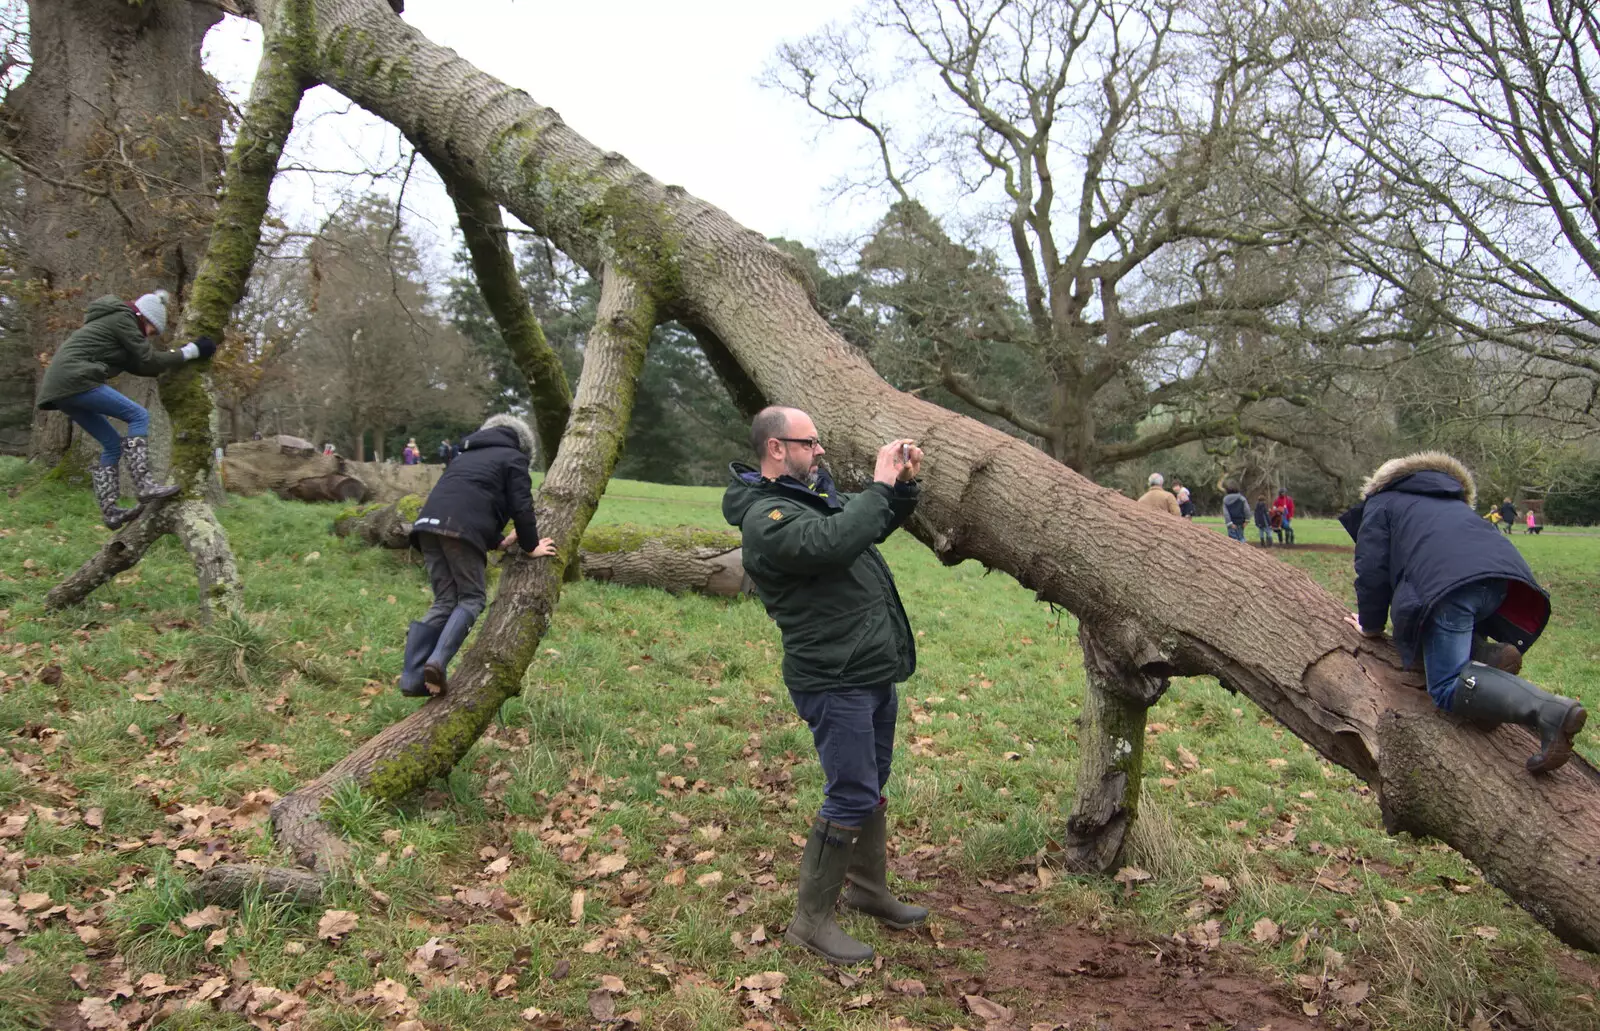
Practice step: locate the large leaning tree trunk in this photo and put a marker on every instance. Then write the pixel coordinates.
(986, 496)
(116, 131)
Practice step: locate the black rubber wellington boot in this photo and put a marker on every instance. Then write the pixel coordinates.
(1488, 696)
(868, 891)
(451, 637)
(822, 870)
(420, 641)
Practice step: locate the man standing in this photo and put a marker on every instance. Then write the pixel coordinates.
(1159, 498)
(811, 554)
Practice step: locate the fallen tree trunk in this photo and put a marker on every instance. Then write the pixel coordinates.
(687, 559)
(675, 562)
(426, 744)
(987, 496)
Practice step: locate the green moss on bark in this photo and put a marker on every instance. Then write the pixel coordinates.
(630, 537)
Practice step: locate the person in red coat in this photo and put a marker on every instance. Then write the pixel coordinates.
(1285, 502)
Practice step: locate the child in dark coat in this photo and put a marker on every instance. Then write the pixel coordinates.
(1263, 522)
(1424, 559)
(485, 486)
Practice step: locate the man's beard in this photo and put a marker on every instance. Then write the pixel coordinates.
(799, 469)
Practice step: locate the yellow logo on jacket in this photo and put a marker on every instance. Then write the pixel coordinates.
(775, 515)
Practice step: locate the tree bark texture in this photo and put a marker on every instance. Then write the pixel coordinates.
(116, 129)
(220, 282)
(985, 495)
(229, 884)
(670, 563)
(428, 743)
(495, 270)
(1117, 697)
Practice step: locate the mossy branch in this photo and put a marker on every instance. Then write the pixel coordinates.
(496, 272)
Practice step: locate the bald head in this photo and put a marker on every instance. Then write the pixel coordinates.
(782, 440)
(770, 423)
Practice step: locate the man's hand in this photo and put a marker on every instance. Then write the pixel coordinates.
(510, 541)
(546, 548)
(898, 461)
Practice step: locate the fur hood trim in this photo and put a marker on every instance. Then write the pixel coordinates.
(524, 435)
(1397, 469)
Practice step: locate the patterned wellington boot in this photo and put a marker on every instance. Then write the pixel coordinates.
(107, 487)
(136, 452)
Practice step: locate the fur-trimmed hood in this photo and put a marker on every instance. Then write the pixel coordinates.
(525, 438)
(1397, 469)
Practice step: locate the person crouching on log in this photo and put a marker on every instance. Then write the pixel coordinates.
(484, 488)
(115, 338)
(810, 551)
(1451, 582)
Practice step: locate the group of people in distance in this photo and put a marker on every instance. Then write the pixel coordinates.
(1459, 594)
(1277, 518)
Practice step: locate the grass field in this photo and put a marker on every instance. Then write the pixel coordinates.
(622, 843)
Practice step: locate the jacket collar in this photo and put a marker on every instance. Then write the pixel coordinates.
(820, 491)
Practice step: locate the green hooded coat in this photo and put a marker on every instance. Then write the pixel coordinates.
(108, 344)
(811, 554)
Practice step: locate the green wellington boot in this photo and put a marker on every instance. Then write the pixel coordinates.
(868, 891)
(1488, 697)
(822, 872)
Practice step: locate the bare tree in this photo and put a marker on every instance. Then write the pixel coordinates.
(1136, 154)
(374, 347)
(1475, 125)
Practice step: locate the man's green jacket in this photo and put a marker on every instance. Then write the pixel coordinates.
(108, 344)
(811, 553)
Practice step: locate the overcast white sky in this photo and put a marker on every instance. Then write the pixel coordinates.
(671, 86)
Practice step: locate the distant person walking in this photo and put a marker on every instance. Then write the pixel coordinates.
(1423, 561)
(1263, 522)
(115, 338)
(1287, 504)
(410, 454)
(1275, 520)
(460, 523)
(1185, 502)
(1508, 516)
(1158, 498)
(811, 552)
(1235, 512)
(1534, 526)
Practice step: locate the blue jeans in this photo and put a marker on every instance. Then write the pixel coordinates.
(1236, 531)
(853, 729)
(1447, 636)
(89, 410)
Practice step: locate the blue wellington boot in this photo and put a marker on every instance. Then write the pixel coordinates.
(420, 641)
(451, 637)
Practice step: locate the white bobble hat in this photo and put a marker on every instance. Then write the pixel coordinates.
(153, 306)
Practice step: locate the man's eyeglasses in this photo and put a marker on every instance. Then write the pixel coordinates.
(810, 443)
